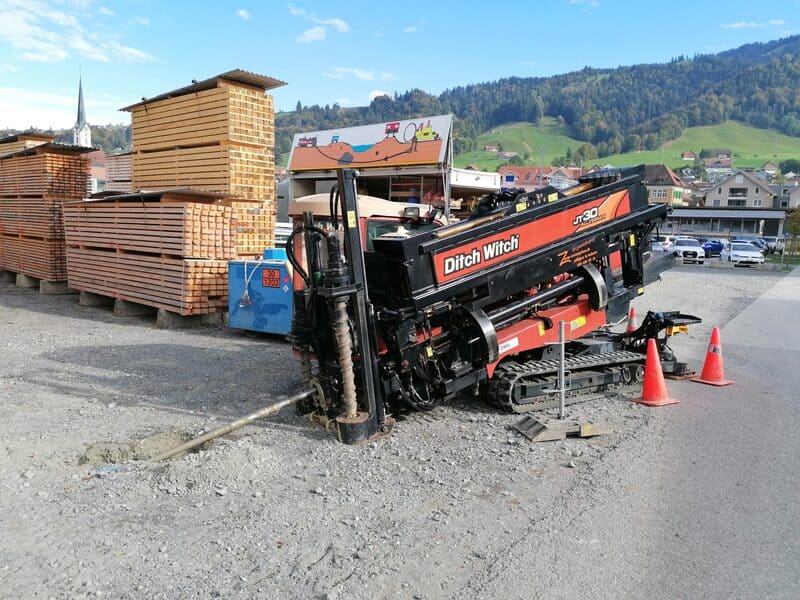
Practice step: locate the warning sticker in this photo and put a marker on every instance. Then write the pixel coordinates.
(271, 278)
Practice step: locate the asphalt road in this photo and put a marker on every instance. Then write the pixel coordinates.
(709, 508)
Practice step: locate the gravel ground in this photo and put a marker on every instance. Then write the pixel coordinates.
(280, 509)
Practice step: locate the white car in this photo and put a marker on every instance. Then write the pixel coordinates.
(688, 249)
(741, 253)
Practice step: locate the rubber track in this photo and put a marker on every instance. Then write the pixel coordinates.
(511, 373)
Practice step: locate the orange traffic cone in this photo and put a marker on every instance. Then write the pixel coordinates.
(632, 326)
(654, 391)
(713, 372)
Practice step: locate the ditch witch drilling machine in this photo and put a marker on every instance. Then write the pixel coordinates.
(413, 318)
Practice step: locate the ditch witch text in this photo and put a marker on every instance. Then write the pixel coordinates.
(487, 252)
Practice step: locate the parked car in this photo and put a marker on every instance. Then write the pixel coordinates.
(711, 247)
(775, 244)
(688, 249)
(758, 242)
(742, 253)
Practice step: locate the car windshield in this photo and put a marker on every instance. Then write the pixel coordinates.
(687, 243)
(743, 248)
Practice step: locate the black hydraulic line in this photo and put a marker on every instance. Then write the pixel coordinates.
(501, 314)
(290, 250)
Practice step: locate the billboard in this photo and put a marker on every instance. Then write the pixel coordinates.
(422, 141)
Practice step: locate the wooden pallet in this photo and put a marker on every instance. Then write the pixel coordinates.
(237, 171)
(35, 257)
(183, 286)
(184, 229)
(231, 112)
(43, 173)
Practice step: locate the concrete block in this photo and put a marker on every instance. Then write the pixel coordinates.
(54, 288)
(90, 299)
(23, 281)
(123, 308)
(8, 276)
(170, 320)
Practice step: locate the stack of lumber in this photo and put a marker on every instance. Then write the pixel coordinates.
(163, 249)
(215, 135)
(34, 184)
(23, 141)
(119, 172)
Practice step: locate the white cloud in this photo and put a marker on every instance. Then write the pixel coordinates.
(54, 30)
(243, 14)
(8, 69)
(410, 29)
(753, 24)
(585, 3)
(320, 32)
(143, 21)
(104, 10)
(314, 34)
(377, 93)
(362, 74)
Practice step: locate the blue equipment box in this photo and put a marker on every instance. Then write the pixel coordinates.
(260, 293)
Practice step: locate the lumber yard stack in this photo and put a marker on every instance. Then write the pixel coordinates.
(214, 135)
(36, 177)
(164, 249)
(119, 170)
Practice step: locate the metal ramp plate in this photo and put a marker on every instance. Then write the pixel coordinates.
(549, 430)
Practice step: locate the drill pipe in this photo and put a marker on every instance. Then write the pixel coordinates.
(267, 411)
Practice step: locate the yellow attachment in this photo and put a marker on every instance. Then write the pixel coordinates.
(677, 329)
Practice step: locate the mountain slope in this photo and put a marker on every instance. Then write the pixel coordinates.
(632, 108)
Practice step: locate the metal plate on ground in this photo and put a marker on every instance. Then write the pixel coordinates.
(549, 430)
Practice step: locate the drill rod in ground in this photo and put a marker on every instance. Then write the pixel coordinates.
(267, 411)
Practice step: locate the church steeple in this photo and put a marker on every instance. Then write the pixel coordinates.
(81, 111)
(81, 134)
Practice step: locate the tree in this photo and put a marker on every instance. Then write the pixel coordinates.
(792, 228)
(790, 165)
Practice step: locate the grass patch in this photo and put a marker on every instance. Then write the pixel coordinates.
(751, 147)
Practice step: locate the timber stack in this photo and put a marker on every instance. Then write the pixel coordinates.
(204, 193)
(36, 177)
(214, 135)
(166, 249)
(119, 170)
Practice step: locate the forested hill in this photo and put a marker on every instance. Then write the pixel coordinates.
(617, 110)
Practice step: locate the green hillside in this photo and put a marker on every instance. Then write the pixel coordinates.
(751, 147)
(547, 139)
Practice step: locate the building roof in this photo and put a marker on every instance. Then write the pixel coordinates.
(50, 147)
(749, 176)
(236, 75)
(17, 137)
(156, 194)
(661, 175)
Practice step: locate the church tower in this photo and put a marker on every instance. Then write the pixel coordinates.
(81, 134)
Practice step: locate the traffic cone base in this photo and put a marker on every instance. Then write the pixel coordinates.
(654, 390)
(713, 371)
(699, 379)
(660, 402)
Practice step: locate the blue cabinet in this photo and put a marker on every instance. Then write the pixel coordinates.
(260, 293)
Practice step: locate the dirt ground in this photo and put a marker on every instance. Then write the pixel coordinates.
(279, 509)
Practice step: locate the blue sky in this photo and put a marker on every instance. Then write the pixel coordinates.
(342, 51)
